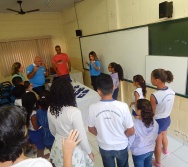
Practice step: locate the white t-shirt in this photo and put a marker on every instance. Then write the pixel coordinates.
(141, 96)
(30, 123)
(164, 102)
(33, 162)
(18, 102)
(111, 118)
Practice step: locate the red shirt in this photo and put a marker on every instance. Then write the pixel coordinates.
(60, 61)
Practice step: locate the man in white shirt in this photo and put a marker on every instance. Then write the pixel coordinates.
(111, 122)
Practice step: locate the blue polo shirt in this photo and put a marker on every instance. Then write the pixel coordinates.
(92, 70)
(39, 78)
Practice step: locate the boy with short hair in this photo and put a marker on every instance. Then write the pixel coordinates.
(17, 81)
(111, 122)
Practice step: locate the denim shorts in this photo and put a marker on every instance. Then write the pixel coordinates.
(35, 137)
(164, 123)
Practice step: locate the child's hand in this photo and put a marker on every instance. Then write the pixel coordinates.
(70, 143)
(91, 156)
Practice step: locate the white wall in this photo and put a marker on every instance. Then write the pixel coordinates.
(13, 26)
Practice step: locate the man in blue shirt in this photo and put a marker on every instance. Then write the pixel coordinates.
(36, 73)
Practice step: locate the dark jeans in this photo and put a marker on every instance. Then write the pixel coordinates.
(39, 89)
(94, 82)
(115, 93)
(67, 76)
(108, 157)
(144, 160)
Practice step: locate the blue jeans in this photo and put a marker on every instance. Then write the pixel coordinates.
(108, 157)
(115, 93)
(144, 160)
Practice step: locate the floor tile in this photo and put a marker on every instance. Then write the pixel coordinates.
(173, 144)
(182, 153)
(173, 161)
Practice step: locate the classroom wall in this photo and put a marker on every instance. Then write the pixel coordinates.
(15, 26)
(97, 16)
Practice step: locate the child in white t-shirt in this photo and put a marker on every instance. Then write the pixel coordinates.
(29, 101)
(162, 103)
(139, 93)
(111, 122)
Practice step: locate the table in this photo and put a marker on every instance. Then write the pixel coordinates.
(84, 98)
(76, 75)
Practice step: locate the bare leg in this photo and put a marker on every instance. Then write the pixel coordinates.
(164, 140)
(158, 146)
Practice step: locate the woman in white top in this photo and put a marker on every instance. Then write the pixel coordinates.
(63, 116)
(139, 93)
(13, 137)
(142, 143)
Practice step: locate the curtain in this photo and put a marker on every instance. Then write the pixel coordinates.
(24, 51)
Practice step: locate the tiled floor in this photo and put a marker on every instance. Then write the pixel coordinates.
(178, 153)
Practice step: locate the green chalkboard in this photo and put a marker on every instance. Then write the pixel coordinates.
(169, 38)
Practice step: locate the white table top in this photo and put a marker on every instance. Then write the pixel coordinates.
(84, 98)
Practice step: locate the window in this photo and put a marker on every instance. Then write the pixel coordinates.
(24, 51)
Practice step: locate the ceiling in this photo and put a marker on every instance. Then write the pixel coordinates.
(43, 5)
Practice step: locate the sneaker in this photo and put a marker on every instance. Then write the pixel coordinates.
(154, 163)
(165, 152)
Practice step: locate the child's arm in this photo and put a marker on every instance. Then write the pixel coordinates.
(153, 103)
(93, 130)
(129, 131)
(136, 95)
(34, 122)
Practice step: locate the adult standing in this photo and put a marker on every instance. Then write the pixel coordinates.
(17, 71)
(94, 68)
(36, 73)
(61, 63)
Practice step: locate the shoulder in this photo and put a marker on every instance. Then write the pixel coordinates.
(171, 90)
(29, 68)
(95, 104)
(34, 162)
(121, 105)
(72, 110)
(33, 113)
(15, 75)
